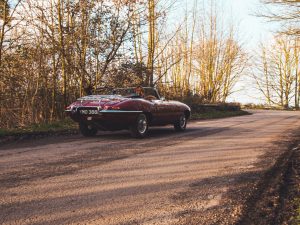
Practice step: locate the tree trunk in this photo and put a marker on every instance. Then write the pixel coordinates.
(151, 42)
(62, 50)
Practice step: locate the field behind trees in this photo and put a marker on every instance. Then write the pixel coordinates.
(53, 51)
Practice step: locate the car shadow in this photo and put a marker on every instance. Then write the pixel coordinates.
(154, 133)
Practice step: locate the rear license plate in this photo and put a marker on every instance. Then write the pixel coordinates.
(88, 112)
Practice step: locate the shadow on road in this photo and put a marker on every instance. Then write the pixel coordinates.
(102, 136)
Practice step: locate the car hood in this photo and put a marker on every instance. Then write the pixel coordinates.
(99, 101)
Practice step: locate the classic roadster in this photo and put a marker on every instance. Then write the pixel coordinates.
(127, 108)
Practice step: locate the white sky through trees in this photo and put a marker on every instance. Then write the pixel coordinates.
(252, 31)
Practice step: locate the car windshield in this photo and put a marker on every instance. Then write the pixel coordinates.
(133, 93)
(125, 92)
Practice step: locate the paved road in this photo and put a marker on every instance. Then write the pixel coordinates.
(195, 177)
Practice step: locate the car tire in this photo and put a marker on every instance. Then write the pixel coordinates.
(87, 130)
(140, 128)
(180, 124)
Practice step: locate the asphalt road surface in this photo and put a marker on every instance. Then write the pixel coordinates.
(196, 177)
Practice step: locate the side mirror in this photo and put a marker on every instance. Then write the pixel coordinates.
(162, 98)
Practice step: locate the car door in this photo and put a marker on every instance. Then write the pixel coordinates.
(174, 111)
(171, 111)
(163, 113)
(157, 112)
(162, 109)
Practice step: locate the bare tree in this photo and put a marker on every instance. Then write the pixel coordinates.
(204, 58)
(7, 13)
(219, 59)
(278, 76)
(65, 47)
(287, 12)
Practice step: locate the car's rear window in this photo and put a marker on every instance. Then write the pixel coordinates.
(125, 92)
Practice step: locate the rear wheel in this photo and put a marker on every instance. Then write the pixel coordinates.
(180, 124)
(87, 130)
(140, 128)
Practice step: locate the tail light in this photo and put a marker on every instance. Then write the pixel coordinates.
(112, 107)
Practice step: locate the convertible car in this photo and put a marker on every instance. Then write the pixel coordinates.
(134, 109)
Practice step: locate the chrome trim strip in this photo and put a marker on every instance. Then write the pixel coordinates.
(119, 111)
(100, 97)
(111, 111)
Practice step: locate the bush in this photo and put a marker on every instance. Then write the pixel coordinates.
(203, 108)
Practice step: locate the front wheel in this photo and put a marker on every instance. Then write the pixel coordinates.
(87, 130)
(140, 128)
(180, 124)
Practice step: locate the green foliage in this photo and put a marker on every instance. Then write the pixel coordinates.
(297, 217)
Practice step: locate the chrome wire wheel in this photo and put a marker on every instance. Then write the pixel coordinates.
(180, 124)
(182, 121)
(142, 124)
(87, 130)
(140, 128)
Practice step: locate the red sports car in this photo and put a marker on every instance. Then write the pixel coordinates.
(127, 108)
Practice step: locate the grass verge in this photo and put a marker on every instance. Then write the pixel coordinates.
(294, 188)
(57, 126)
(297, 213)
(218, 114)
(275, 197)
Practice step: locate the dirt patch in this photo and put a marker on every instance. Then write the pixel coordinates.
(273, 197)
(263, 193)
(290, 191)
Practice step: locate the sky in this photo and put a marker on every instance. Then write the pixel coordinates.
(255, 30)
(252, 27)
(252, 31)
